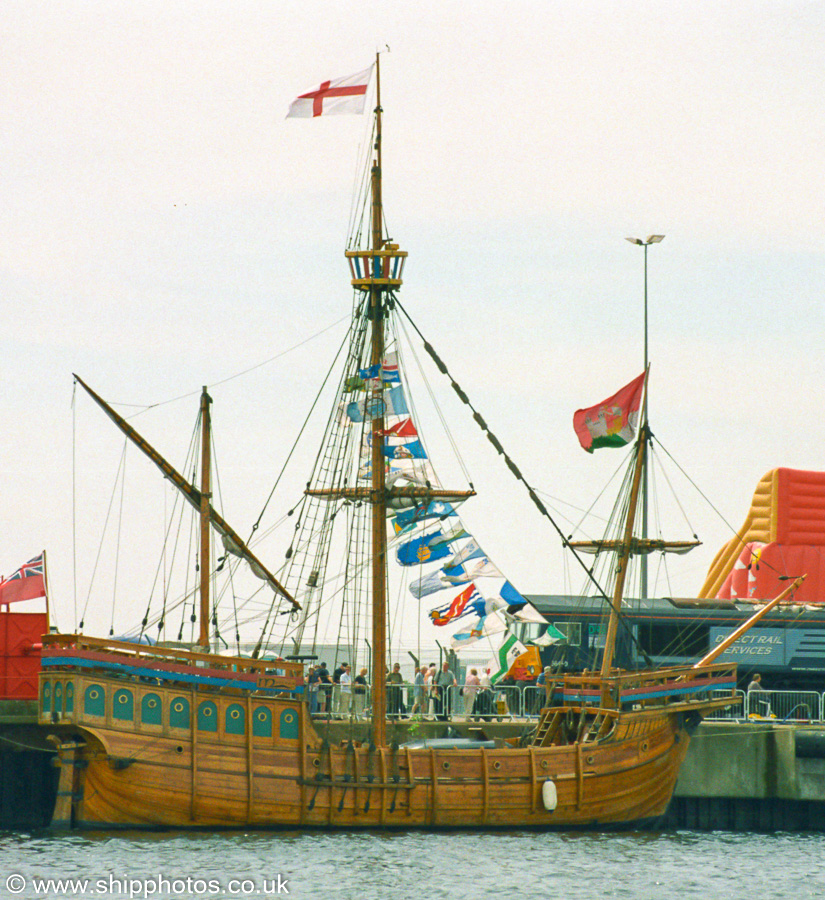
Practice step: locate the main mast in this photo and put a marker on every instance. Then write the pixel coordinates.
(377, 271)
(379, 505)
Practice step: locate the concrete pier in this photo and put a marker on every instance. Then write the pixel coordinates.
(752, 776)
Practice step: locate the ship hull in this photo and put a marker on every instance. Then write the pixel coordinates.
(251, 761)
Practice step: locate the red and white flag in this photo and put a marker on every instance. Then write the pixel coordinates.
(28, 582)
(340, 95)
(611, 423)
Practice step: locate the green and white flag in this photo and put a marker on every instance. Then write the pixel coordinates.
(507, 653)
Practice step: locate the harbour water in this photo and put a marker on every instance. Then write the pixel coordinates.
(676, 865)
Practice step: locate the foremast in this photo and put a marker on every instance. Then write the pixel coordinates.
(624, 551)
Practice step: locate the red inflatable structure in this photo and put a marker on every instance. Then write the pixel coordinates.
(783, 537)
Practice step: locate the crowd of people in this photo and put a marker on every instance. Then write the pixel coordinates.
(433, 692)
(339, 693)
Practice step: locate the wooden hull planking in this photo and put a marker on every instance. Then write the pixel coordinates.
(133, 774)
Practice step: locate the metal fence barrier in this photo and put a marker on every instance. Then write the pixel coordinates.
(734, 712)
(507, 702)
(786, 706)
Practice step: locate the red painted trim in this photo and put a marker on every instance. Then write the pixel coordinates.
(56, 652)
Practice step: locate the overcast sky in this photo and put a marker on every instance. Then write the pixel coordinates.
(164, 227)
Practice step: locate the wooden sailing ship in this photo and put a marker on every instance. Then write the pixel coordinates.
(167, 737)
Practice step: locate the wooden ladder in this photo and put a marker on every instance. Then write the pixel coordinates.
(548, 726)
(599, 727)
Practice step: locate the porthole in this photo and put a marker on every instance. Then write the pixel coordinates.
(544, 764)
(445, 765)
(94, 694)
(496, 765)
(591, 760)
(288, 717)
(205, 711)
(177, 706)
(644, 746)
(234, 713)
(178, 749)
(262, 716)
(123, 698)
(316, 763)
(151, 702)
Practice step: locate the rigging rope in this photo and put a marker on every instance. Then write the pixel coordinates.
(142, 408)
(117, 545)
(102, 537)
(735, 533)
(519, 477)
(300, 433)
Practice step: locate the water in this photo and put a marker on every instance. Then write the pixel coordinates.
(681, 865)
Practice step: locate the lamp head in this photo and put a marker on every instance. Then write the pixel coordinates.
(653, 239)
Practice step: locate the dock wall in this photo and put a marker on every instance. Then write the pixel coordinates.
(752, 776)
(28, 779)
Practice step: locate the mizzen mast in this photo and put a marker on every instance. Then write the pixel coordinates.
(200, 499)
(205, 503)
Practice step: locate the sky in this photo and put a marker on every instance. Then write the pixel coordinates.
(165, 227)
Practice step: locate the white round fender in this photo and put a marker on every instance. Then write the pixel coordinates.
(549, 796)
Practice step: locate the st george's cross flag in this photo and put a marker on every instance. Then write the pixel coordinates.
(334, 97)
(611, 423)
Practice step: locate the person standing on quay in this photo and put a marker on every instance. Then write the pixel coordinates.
(345, 683)
(336, 688)
(472, 684)
(419, 696)
(395, 705)
(758, 700)
(313, 682)
(359, 695)
(484, 701)
(326, 689)
(429, 689)
(444, 683)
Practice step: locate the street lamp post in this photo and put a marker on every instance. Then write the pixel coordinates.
(653, 239)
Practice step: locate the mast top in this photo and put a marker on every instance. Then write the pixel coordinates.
(379, 267)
